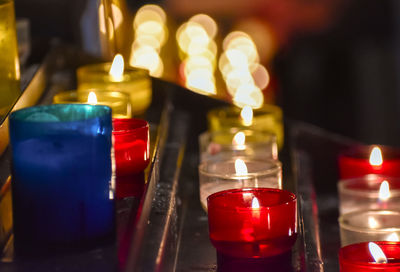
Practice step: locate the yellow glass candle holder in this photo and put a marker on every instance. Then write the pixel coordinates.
(9, 63)
(268, 119)
(119, 102)
(136, 82)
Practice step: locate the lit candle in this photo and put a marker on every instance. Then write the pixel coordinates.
(370, 256)
(131, 146)
(369, 192)
(220, 145)
(119, 102)
(369, 225)
(242, 172)
(115, 77)
(252, 222)
(267, 118)
(363, 160)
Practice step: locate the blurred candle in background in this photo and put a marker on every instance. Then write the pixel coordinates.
(9, 63)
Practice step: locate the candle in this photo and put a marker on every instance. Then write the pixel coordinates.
(222, 144)
(240, 229)
(369, 192)
(61, 177)
(369, 225)
(9, 63)
(119, 102)
(131, 146)
(236, 173)
(364, 160)
(360, 257)
(268, 118)
(133, 81)
(129, 185)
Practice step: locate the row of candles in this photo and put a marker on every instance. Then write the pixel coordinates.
(238, 164)
(369, 214)
(251, 218)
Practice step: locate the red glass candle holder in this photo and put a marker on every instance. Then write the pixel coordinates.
(131, 146)
(357, 258)
(240, 229)
(354, 162)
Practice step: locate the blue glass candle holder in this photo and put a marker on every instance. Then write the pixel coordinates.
(62, 176)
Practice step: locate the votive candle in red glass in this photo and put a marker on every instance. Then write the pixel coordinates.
(252, 223)
(131, 146)
(363, 160)
(357, 258)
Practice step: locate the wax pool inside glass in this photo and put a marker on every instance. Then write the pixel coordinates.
(61, 173)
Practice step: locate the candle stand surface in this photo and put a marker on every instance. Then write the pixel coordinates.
(166, 229)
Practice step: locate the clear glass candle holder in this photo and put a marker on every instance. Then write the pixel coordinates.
(62, 188)
(369, 225)
(268, 118)
(119, 102)
(136, 82)
(369, 193)
(358, 258)
(220, 145)
(252, 222)
(221, 175)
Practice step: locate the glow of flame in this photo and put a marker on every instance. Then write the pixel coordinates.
(207, 23)
(377, 253)
(373, 224)
(240, 167)
(384, 191)
(247, 115)
(117, 68)
(375, 158)
(393, 237)
(255, 204)
(239, 139)
(248, 95)
(92, 98)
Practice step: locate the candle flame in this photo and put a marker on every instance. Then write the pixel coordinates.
(247, 115)
(393, 237)
(375, 158)
(377, 253)
(254, 203)
(92, 98)
(117, 68)
(239, 139)
(384, 191)
(240, 167)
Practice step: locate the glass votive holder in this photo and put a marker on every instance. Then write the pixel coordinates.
(9, 61)
(61, 177)
(221, 175)
(355, 162)
(119, 102)
(236, 142)
(358, 258)
(369, 192)
(369, 225)
(252, 222)
(268, 118)
(136, 82)
(131, 145)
